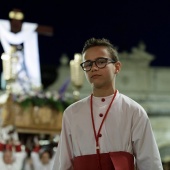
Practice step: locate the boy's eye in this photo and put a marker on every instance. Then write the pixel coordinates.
(100, 61)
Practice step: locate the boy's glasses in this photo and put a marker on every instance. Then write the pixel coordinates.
(99, 62)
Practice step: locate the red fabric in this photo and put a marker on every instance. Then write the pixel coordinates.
(36, 148)
(2, 146)
(109, 161)
(91, 162)
(122, 160)
(18, 148)
(9, 147)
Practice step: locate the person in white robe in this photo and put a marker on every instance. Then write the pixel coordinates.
(122, 123)
(42, 160)
(11, 154)
(11, 161)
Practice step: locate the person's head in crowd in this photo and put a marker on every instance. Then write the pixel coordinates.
(8, 157)
(45, 155)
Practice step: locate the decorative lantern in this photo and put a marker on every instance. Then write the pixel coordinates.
(9, 65)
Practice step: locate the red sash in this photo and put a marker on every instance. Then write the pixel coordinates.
(108, 161)
(122, 160)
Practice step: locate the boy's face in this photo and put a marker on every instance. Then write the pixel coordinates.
(8, 157)
(45, 158)
(100, 78)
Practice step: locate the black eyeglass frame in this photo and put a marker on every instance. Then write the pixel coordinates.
(108, 60)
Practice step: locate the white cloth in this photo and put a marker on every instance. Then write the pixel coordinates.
(126, 128)
(29, 38)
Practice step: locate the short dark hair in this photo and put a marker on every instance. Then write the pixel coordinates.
(93, 42)
(45, 150)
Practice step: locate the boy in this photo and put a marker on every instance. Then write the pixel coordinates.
(106, 130)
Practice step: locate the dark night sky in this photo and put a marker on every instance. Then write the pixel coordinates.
(125, 23)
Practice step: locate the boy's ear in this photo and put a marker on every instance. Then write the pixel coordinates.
(117, 67)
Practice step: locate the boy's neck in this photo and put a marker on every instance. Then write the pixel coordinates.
(103, 93)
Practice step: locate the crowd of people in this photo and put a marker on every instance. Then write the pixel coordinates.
(15, 156)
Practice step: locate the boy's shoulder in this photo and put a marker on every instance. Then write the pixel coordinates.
(126, 100)
(78, 103)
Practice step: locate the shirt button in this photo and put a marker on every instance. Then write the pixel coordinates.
(103, 99)
(101, 115)
(100, 135)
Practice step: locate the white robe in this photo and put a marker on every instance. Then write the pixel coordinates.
(126, 128)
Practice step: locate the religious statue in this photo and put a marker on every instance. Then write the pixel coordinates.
(24, 36)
